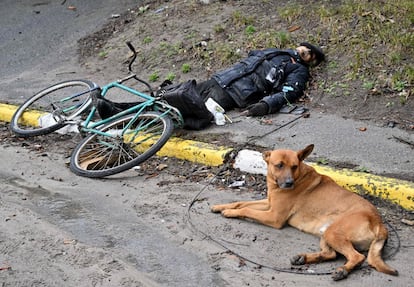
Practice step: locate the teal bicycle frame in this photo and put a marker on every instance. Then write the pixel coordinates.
(166, 110)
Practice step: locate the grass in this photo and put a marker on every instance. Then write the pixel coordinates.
(374, 40)
(154, 76)
(186, 68)
(377, 36)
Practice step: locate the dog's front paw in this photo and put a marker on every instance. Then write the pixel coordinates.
(230, 213)
(217, 208)
(298, 260)
(339, 274)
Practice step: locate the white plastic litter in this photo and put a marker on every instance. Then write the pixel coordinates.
(48, 120)
(217, 111)
(250, 161)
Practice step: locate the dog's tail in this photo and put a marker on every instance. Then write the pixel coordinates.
(375, 249)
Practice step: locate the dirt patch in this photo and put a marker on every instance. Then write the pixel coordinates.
(207, 38)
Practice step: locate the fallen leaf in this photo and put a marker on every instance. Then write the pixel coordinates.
(72, 8)
(266, 121)
(293, 28)
(362, 129)
(366, 13)
(38, 146)
(408, 222)
(5, 267)
(161, 166)
(152, 175)
(242, 262)
(69, 241)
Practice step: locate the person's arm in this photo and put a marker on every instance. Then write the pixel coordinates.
(292, 89)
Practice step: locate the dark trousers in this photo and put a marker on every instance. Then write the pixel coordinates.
(211, 89)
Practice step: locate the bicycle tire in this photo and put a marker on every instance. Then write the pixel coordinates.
(52, 108)
(99, 155)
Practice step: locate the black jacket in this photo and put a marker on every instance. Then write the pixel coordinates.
(272, 75)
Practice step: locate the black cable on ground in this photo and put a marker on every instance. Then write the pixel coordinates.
(253, 138)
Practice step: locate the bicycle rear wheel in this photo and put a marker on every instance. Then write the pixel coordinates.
(121, 144)
(52, 108)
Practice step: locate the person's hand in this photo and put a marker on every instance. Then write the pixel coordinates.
(259, 109)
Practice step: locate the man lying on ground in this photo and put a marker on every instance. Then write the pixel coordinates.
(262, 83)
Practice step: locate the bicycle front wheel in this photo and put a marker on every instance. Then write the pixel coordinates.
(121, 144)
(52, 108)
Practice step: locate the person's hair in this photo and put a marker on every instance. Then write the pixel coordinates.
(316, 51)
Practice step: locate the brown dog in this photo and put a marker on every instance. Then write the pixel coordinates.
(299, 196)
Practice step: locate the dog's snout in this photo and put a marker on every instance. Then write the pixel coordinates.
(287, 183)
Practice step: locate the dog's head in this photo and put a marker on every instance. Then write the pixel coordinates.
(283, 166)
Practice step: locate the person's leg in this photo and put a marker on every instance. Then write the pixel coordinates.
(211, 89)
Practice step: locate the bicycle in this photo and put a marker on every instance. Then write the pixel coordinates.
(111, 145)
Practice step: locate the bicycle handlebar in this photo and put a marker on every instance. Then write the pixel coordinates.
(131, 47)
(133, 57)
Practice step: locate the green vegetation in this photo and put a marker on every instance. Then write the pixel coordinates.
(241, 19)
(361, 169)
(376, 35)
(322, 161)
(218, 28)
(154, 77)
(250, 29)
(186, 68)
(147, 40)
(170, 76)
(103, 54)
(368, 85)
(143, 9)
(170, 49)
(369, 44)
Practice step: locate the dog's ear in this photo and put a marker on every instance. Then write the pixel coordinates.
(266, 155)
(302, 154)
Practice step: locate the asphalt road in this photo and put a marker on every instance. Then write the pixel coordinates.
(338, 141)
(38, 41)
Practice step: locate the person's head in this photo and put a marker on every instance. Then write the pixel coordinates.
(310, 54)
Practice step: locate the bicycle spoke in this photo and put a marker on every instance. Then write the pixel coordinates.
(107, 152)
(52, 108)
(121, 144)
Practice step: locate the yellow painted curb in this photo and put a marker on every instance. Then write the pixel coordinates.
(6, 112)
(31, 118)
(194, 151)
(397, 191)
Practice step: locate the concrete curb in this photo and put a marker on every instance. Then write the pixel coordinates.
(190, 150)
(397, 191)
(7, 111)
(194, 151)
